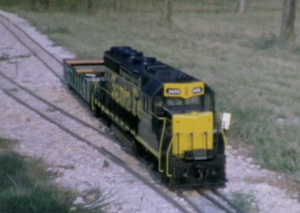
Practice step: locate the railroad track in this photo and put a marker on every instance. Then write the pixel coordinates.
(220, 200)
(60, 117)
(71, 124)
(68, 122)
(50, 61)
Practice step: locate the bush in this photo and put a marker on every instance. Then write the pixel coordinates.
(28, 199)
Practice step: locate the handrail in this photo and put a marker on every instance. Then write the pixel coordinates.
(205, 134)
(192, 134)
(168, 157)
(178, 144)
(160, 144)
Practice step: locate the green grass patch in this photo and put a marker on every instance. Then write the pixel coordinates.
(57, 30)
(255, 75)
(245, 201)
(26, 187)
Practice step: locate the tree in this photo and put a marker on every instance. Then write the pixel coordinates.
(288, 20)
(240, 6)
(168, 10)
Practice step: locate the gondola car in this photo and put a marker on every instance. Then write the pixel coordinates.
(163, 114)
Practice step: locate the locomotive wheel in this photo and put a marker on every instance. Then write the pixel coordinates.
(165, 180)
(138, 148)
(97, 113)
(70, 87)
(221, 146)
(106, 120)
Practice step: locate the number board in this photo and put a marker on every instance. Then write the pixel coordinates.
(183, 90)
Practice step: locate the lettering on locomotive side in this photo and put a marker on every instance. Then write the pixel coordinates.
(197, 90)
(173, 91)
(127, 98)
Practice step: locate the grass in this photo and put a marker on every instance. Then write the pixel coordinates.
(246, 202)
(26, 187)
(255, 74)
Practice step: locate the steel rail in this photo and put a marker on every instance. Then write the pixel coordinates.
(38, 50)
(62, 111)
(214, 201)
(148, 183)
(191, 203)
(232, 208)
(230, 203)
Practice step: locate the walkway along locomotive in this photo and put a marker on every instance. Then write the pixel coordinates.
(165, 115)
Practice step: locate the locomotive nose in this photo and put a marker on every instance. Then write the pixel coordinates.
(192, 135)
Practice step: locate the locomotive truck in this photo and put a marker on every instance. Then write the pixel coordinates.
(161, 113)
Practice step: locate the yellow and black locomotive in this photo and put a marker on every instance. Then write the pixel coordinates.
(163, 114)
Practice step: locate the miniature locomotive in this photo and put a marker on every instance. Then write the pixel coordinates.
(163, 114)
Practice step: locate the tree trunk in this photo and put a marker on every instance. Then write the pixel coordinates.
(168, 10)
(115, 4)
(47, 3)
(288, 20)
(89, 6)
(240, 6)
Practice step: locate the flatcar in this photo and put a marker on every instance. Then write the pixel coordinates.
(163, 114)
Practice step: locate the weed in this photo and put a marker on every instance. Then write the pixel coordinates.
(11, 164)
(245, 201)
(37, 199)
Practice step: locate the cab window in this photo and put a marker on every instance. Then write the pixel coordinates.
(174, 101)
(157, 105)
(145, 103)
(193, 100)
(208, 103)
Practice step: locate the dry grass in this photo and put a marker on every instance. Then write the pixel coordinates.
(255, 75)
